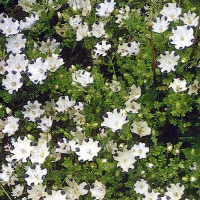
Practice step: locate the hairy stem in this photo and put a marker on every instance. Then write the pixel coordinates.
(5, 192)
(153, 55)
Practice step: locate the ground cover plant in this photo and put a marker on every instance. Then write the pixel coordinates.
(99, 99)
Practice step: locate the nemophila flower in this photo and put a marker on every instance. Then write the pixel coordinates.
(168, 61)
(16, 43)
(140, 150)
(175, 191)
(122, 49)
(141, 186)
(7, 171)
(106, 8)
(36, 192)
(178, 85)
(98, 190)
(17, 63)
(133, 48)
(50, 110)
(2, 67)
(140, 128)
(82, 77)
(45, 123)
(50, 46)
(131, 106)
(63, 146)
(9, 26)
(160, 24)
(182, 36)
(55, 62)
(85, 6)
(123, 14)
(17, 190)
(101, 48)
(12, 82)
(79, 106)
(21, 149)
(28, 22)
(165, 198)
(35, 174)
(134, 92)
(12, 126)
(98, 29)
(87, 150)
(190, 19)
(115, 86)
(111, 146)
(63, 104)
(26, 5)
(39, 153)
(151, 195)
(55, 195)
(79, 118)
(78, 133)
(82, 31)
(172, 11)
(115, 120)
(125, 158)
(32, 111)
(194, 88)
(37, 70)
(75, 20)
(74, 191)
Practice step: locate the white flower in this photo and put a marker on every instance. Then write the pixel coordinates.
(98, 29)
(2, 67)
(50, 46)
(140, 150)
(56, 195)
(16, 63)
(124, 14)
(178, 85)
(12, 82)
(111, 145)
(141, 128)
(122, 49)
(63, 104)
(75, 20)
(101, 48)
(45, 123)
(39, 153)
(17, 190)
(125, 158)
(98, 190)
(37, 70)
(172, 11)
(11, 126)
(32, 111)
(28, 22)
(63, 146)
(150, 195)
(168, 61)
(82, 31)
(35, 175)
(141, 186)
(36, 192)
(194, 87)
(87, 150)
(106, 8)
(80, 4)
(190, 19)
(74, 191)
(9, 26)
(16, 43)
(131, 106)
(160, 24)
(79, 106)
(26, 5)
(21, 149)
(182, 37)
(54, 62)
(175, 191)
(133, 48)
(134, 92)
(83, 77)
(115, 120)
(115, 86)
(78, 133)
(7, 172)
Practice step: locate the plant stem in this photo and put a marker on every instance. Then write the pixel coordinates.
(153, 55)
(5, 192)
(195, 40)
